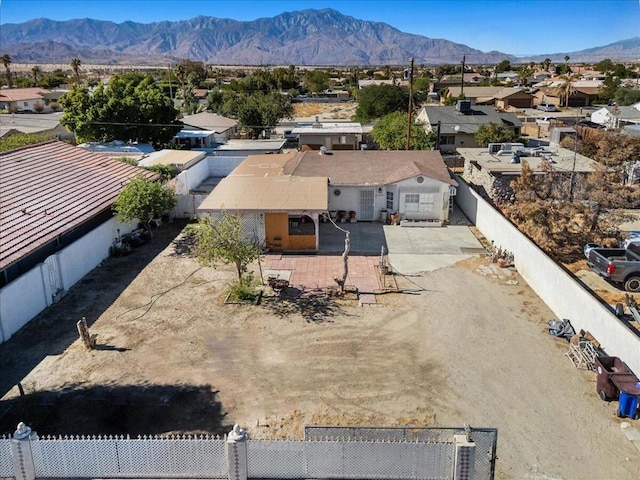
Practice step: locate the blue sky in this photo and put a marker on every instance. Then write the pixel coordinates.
(511, 26)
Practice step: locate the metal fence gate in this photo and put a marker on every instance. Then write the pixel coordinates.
(486, 440)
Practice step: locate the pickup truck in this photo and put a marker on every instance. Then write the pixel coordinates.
(618, 265)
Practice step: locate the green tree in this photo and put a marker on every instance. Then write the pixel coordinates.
(390, 132)
(120, 111)
(379, 100)
(18, 140)
(494, 133)
(316, 81)
(36, 72)
(142, 199)
(503, 66)
(220, 238)
(6, 61)
(627, 96)
(257, 111)
(75, 66)
(546, 63)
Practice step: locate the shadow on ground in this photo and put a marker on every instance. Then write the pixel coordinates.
(54, 329)
(311, 306)
(117, 410)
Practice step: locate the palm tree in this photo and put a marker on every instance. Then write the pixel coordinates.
(546, 62)
(35, 71)
(566, 58)
(6, 61)
(566, 88)
(75, 65)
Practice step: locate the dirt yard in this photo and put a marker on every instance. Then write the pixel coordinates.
(458, 346)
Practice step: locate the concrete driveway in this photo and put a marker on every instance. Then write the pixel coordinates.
(414, 250)
(411, 250)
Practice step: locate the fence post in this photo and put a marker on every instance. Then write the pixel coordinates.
(464, 460)
(237, 453)
(23, 466)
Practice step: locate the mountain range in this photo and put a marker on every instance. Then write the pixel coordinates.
(308, 37)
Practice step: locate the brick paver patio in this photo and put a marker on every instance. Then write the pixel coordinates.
(318, 271)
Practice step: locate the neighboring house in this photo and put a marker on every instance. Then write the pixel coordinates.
(507, 77)
(23, 99)
(616, 117)
(457, 125)
(56, 223)
(35, 123)
(333, 136)
(477, 95)
(493, 171)
(503, 98)
(513, 98)
(205, 129)
(281, 197)
(583, 92)
(453, 80)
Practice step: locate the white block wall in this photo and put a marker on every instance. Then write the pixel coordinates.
(560, 290)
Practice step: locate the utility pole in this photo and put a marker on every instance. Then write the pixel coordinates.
(462, 81)
(410, 103)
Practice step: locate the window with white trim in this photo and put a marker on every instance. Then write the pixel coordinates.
(412, 202)
(419, 202)
(390, 201)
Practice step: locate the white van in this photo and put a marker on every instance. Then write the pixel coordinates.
(547, 107)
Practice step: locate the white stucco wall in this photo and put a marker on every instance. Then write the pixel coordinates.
(29, 294)
(223, 165)
(20, 301)
(191, 178)
(562, 293)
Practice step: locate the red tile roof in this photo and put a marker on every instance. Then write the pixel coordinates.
(51, 188)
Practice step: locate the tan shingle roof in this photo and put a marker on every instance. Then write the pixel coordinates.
(49, 189)
(369, 167)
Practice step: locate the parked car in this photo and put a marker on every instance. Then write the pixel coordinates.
(547, 107)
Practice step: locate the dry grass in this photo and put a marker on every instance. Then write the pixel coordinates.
(326, 111)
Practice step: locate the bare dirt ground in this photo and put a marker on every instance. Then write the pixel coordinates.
(457, 346)
(326, 111)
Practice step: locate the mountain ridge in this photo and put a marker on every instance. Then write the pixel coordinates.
(305, 37)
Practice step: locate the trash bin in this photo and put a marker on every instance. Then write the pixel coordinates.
(607, 368)
(628, 405)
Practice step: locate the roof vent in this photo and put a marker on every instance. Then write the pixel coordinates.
(317, 123)
(463, 106)
(323, 150)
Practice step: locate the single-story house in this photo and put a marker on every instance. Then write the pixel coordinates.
(279, 211)
(477, 95)
(470, 78)
(282, 198)
(35, 123)
(513, 98)
(23, 99)
(331, 135)
(414, 184)
(56, 223)
(493, 169)
(457, 125)
(205, 129)
(617, 117)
